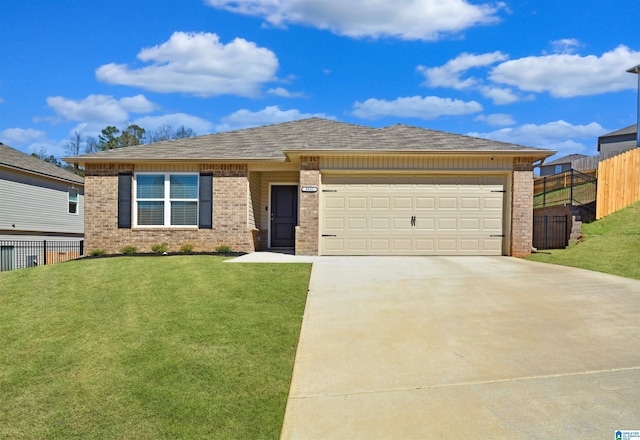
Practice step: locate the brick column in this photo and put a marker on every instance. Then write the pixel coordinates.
(231, 206)
(522, 207)
(308, 230)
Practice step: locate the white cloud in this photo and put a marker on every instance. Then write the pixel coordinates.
(269, 115)
(565, 45)
(559, 135)
(448, 75)
(18, 137)
(29, 140)
(497, 119)
(197, 64)
(503, 95)
(176, 120)
(567, 75)
(429, 107)
(404, 19)
(100, 109)
(284, 93)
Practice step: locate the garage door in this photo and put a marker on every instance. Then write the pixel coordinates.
(426, 215)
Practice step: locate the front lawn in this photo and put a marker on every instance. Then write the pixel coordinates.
(148, 348)
(610, 245)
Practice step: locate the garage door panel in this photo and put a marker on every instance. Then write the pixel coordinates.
(380, 244)
(472, 203)
(357, 203)
(402, 202)
(380, 202)
(448, 203)
(334, 223)
(425, 224)
(491, 224)
(425, 203)
(470, 224)
(447, 224)
(357, 244)
(335, 202)
(381, 224)
(492, 202)
(401, 223)
(454, 215)
(404, 245)
(425, 245)
(357, 224)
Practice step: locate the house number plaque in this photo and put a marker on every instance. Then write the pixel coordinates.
(309, 189)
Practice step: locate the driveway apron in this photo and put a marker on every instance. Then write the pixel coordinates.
(464, 347)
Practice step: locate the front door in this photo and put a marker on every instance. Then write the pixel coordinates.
(284, 215)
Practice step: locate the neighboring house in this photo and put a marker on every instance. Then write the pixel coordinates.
(38, 201)
(560, 165)
(618, 141)
(317, 186)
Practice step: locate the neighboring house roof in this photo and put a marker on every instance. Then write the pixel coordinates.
(565, 159)
(624, 134)
(275, 142)
(631, 129)
(17, 160)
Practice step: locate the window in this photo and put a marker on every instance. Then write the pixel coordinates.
(166, 199)
(73, 201)
(558, 169)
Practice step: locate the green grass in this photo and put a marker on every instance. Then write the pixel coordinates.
(148, 348)
(584, 193)
(610, 245)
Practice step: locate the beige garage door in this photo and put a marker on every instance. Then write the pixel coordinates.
(426, 215)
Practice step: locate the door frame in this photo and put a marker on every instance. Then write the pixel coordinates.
(272, 184)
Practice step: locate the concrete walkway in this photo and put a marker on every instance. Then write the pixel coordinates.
(272, 257)
(464, 347)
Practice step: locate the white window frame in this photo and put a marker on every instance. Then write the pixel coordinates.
(77, 202)
(166, 200)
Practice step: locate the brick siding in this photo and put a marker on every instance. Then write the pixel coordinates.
(522, 207)
(230, 200)
(308, 230)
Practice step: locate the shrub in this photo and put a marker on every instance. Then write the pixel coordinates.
(97, 253)
(223, 249)
(129, 250)
(159, 248)
(186, 248)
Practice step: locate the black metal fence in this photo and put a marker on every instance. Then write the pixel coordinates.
(572, 188)
(21, 254)
(550, 231)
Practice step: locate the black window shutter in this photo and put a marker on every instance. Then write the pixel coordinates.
(205, 216)
(124, 200)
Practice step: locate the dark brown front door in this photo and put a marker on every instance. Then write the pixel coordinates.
(284, 215)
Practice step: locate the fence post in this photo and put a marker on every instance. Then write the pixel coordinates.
(546, 231)
(81, 247)
(544, 191)
(571, 191)
(44, 242)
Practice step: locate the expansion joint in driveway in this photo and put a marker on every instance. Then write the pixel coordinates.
(471, 383)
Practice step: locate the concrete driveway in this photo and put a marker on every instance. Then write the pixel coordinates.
(464, 347)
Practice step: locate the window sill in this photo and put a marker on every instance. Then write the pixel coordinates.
(165, 228)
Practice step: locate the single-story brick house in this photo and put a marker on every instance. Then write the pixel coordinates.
(320, 187)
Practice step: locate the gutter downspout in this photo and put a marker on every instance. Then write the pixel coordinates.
(636, 70)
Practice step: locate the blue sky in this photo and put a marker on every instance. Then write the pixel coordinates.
(534, 72)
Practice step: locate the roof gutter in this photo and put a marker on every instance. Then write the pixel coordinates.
(84, 161)
(536, 154)
(37, 173)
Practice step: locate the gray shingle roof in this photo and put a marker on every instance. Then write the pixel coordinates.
(12, 158)
(566, 159)
(631, 129)
(269, 142)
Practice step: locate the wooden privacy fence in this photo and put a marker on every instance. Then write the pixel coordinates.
(618, 182)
